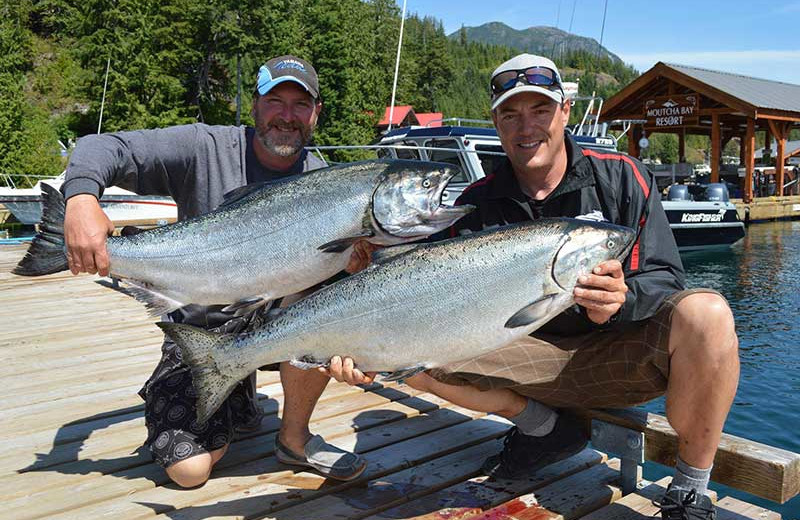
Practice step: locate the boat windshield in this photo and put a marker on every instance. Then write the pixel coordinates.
(447, 151)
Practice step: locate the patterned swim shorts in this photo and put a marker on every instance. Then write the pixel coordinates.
(609, 368)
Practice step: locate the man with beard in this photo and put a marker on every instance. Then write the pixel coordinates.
(197, 165)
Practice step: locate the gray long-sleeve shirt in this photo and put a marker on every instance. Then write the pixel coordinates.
(195, 164)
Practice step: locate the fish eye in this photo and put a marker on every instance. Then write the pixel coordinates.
(426, 183)
(610, 244)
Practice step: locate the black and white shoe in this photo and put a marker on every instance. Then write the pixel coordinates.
(679, 504)
(523, 455)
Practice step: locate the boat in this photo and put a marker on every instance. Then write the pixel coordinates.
(700, 218)
(122, 207)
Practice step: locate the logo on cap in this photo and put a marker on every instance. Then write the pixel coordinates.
(290, 64)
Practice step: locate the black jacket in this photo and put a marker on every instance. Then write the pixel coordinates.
(616, 185)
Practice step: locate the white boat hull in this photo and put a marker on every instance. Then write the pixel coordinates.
(123, 207)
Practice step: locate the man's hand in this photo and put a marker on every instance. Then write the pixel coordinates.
(602, 293)
(345, 371)
(86, 229)
(361, 256)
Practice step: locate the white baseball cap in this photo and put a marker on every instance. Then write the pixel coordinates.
(526, 73)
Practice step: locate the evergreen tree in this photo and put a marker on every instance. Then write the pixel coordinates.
(28, 145)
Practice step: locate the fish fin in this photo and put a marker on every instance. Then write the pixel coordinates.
(307, 363)
(157, 304)
(387, 253)
(47, 253)
(337, 246)
(531, 312)
(242, 192)
(404, 373)
(242, 307)
(200, 350)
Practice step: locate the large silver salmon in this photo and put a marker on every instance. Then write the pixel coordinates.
(265, 241)
(416, 307)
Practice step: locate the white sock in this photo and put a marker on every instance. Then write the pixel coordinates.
(688, 478)
(535, 419)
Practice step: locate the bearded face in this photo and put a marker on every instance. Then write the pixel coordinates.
(285, 118)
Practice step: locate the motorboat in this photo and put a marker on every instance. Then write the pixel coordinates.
(702, 216)
(123, 207)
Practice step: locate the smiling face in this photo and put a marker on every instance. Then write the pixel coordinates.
(531, 130)
(285, 118)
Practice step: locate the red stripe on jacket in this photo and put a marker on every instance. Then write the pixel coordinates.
(642, 184)
(619, 157)
(479, 182)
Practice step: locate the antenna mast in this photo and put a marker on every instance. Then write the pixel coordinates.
(397, 65)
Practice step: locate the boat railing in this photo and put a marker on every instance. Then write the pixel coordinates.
(460, 121)
(8, 179)
(318, 149)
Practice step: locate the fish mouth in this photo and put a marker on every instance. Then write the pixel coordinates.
(623, 254)
(442, 212)
(450, 213)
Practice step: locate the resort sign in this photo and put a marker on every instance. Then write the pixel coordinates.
(667, 111)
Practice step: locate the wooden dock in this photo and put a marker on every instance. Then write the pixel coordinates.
(763, 209)
(75, 352)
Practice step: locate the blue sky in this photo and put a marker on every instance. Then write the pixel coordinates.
(760, 39)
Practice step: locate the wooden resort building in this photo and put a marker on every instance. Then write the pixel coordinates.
(686, 100)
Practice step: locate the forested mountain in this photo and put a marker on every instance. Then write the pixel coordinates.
(175, 61)
(543, 40)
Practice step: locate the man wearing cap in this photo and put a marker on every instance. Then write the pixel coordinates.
(634, 334)
(197, 165)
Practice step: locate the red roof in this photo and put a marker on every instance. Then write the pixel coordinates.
(400, 113)
(430, 119)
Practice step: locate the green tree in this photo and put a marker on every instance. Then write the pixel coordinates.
(28, 144)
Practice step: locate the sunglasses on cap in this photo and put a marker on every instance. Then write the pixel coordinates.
(536, 76)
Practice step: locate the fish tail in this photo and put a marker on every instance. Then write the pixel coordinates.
(47, 253)
(202, 350)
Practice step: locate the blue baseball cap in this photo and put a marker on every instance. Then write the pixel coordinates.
(287, 68)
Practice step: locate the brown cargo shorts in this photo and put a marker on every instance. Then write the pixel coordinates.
(614, 368)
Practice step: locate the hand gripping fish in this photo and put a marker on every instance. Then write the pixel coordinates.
(416, 307)
(268, 240)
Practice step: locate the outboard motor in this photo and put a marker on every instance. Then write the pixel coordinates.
(717, 192)
(678, 192)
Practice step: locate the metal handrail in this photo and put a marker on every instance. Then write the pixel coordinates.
(398, 147)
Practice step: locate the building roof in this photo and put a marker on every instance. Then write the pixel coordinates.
(399, 114)
(792, 148)
(430, 119)
(760, 93)
(744, 96)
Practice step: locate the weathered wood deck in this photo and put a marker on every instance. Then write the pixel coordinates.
(74, 354)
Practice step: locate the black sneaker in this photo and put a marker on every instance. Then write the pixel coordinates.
(679, 504)
(523, 455)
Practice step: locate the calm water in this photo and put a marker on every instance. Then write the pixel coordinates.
(760, 276)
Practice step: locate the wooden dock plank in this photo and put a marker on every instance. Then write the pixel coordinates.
(759, 469)
(107, 451)
(565, 499)
(477, 493)
(635, 506)
(100, 479)
(264, 484)
(730, 508)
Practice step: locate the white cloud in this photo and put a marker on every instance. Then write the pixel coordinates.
(777, 65)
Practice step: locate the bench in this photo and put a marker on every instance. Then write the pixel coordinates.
(746, 465)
